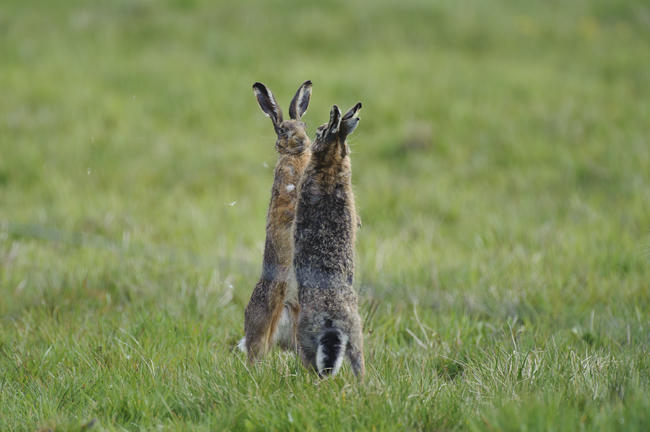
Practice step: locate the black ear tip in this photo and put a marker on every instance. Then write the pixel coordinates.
(359, 106)
(307, 83)
(258, 86)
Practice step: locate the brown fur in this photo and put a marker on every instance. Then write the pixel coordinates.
(275, 290)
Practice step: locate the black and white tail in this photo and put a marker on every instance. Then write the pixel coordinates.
(331, 351)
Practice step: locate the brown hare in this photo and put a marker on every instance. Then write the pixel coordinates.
(274, 299)
(329, 326)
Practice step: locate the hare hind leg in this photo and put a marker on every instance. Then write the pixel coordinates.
(255, 323)
(286, 332)
(286, 335)
(355, 352)
(357, 362)
(261, 317)
(276, 309)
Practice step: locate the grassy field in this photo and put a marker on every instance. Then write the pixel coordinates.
(502, 172)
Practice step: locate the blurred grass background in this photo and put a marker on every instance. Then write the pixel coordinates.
(502, 172)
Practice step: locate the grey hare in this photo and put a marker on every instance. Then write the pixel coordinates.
(329, 326)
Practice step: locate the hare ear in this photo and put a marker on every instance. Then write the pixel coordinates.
(352, 111)
(267, 103)
(350, 120)
(335, 121)
(300, 101)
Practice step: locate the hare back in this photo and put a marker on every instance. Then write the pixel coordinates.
(324, 236)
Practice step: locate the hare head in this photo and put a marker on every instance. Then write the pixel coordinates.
(292, 138)
(330, 145)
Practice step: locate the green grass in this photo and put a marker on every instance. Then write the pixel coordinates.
(501, 168)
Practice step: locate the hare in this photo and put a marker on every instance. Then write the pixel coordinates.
(274, 299)
(329, 326)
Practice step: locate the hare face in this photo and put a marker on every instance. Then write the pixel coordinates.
(292, 138)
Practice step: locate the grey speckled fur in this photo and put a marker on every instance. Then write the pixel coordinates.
(325, 229)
